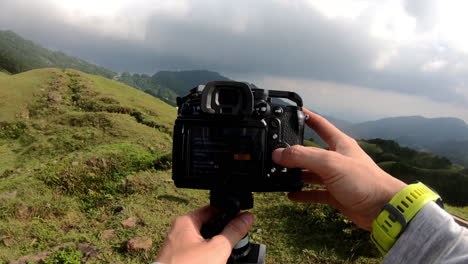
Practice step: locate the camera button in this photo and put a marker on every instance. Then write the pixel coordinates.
(275, 123)
(273, 170)
(274, 136)
(278, 110)
(284, 170)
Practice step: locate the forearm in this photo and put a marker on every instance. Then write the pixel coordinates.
(431, 237)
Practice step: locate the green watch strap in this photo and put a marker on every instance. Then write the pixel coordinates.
(396, 214)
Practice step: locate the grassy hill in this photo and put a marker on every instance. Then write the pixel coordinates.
(82, 153)
(182, 81)
(145, 83)
(447, 179)
(19, 55)
(167, 85)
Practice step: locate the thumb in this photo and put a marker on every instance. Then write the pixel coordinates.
(236, 229)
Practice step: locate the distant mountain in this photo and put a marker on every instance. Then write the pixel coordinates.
(413, 130)
(182, 81)
(443, 136)
(447, 137)
(19, 55)
(339, 123)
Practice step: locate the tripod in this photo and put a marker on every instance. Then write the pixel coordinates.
(230, 203)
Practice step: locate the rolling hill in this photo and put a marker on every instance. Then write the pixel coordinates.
(18, 55)
(446, 137)
(409, 165)
(443, 136)
(182, 81)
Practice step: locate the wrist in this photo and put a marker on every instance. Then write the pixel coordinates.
(385, 195)
(398, 212)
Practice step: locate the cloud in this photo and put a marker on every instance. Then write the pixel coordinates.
(425, 12)
(385, 46)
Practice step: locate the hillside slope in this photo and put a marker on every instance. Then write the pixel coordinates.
(182, 81)
(19, 55)
(408, 165)
(167, 85)
(81, 154)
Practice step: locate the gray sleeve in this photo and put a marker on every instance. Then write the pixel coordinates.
(431, 237)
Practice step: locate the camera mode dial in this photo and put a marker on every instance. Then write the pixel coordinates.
(262, 108)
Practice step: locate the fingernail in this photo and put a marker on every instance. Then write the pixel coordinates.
(276, 156)
(247, 218)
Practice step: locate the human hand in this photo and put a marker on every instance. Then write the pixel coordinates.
(184, 243)
(355, 184)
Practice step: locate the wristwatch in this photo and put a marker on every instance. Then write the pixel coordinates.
(396, 214)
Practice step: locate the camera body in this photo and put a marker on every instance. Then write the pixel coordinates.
(224, 136)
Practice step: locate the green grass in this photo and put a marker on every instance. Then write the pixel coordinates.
(309, 143)
(17, 91)
(458, 211)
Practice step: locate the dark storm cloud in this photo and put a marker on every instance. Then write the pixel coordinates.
(246, 37)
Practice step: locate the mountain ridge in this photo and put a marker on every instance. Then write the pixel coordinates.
(18, 55)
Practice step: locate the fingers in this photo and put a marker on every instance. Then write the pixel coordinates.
(311, 178)
(314, 196)
(202, 215)
(235, 230)
(319, 161)
(326, 130)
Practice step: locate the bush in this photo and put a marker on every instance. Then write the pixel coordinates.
(67, 255)
(12, 130)
(100, 176)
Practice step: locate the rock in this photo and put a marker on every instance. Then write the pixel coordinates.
(139, 243)
(75, 163)
(108, 234)
(8, 242)
(88, 250)
(39, 257)
(129, 222)
(168, 181)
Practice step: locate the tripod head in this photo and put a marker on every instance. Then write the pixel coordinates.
(230, 203)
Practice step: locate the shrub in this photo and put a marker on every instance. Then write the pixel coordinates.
(98, 177)
(67, 255)
(12, 130)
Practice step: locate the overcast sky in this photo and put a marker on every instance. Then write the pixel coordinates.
(357, 60)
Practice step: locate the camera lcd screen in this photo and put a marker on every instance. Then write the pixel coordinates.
(225, 154)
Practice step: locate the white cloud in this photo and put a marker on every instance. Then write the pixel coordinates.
(434, 66)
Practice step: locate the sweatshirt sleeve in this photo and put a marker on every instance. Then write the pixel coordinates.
(432, 236)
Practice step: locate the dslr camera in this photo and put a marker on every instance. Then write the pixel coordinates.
(225, 133)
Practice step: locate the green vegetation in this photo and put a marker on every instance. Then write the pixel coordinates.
(182, 81)
(20, 55)
(145, 83)
(447, 179)
(311, 143)
(65, 256)
(167, 85)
